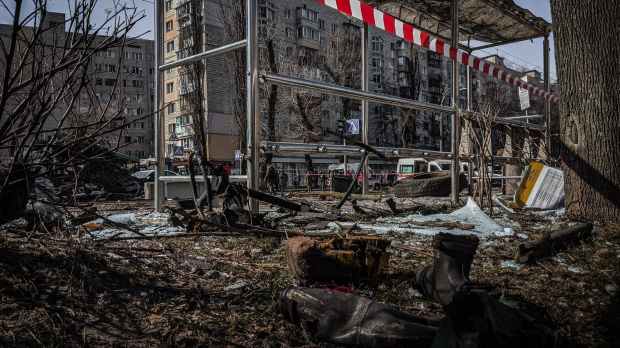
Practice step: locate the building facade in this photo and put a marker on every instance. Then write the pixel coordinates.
(119, 83)
(190, 27)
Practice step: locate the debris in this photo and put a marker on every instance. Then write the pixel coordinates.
(602, 253)
(435, 184)
(477, 319)
(460, 222)
(341, 183)
(390, 202)
(44, 215)
(553, 241)
(511, 264)
(449, 272)
(279, 201)
(127, 219)
(502, 205)
(353, 183)
(611, 289)
(340, 260)
(237, 286)
(348, 319)
(542, 187)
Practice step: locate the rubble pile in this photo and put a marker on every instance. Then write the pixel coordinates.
(379, 271)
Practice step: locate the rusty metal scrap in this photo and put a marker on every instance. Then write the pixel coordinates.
(338, 260)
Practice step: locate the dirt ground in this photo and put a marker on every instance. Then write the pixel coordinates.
(62, 290)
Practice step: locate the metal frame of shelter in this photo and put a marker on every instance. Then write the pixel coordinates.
(254, 146)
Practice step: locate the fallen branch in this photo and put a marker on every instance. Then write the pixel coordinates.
(553, 242)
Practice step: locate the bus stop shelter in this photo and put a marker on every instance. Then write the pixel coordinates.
(451, 28)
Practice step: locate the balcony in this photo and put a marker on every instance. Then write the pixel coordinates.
(184, 131)
(185, 8)
(185, 52)
(186, 89)
(307, 17)
(308, 37)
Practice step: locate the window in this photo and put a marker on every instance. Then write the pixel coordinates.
(308, 33)
(182, 120)
(99, 82)
(127, 139)
(140, 139)
(377, 44)
(142, 125)
(321, 24)
(287, 13)
(308, 14)
(169, 87)
(110, 82)
(171, 108)
(170, 46)
(169, 26)
(265, 12)
(334, 27)
(168, 5)
(288, 32)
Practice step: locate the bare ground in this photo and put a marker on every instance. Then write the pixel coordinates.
(222, 291)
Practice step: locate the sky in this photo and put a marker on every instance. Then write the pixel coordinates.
(528, 54)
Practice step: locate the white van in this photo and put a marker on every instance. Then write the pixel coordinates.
(411, 166)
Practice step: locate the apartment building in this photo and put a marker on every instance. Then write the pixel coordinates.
(120, 82)
(190, 27)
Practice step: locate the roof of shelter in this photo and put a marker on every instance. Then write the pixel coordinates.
(491, 21)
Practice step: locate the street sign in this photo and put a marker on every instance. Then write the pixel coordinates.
(353, 126)
(524, 98)
(237, 155)
(178, 150)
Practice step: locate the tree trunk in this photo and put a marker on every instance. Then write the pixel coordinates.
(587, 37)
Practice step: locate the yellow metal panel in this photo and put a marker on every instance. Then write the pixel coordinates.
(528, 182)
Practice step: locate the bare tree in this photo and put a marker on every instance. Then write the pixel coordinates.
(482, 129)
(51, 120)
(411, 90)
(232, 17)
(342, 62)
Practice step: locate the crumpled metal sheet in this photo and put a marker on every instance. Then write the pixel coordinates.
(483, 20)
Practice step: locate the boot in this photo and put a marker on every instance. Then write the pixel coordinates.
(348, 319)
(450, 269)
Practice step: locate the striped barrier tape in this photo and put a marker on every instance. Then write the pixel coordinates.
(381, 20)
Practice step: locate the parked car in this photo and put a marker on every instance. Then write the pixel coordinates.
(375, 181)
